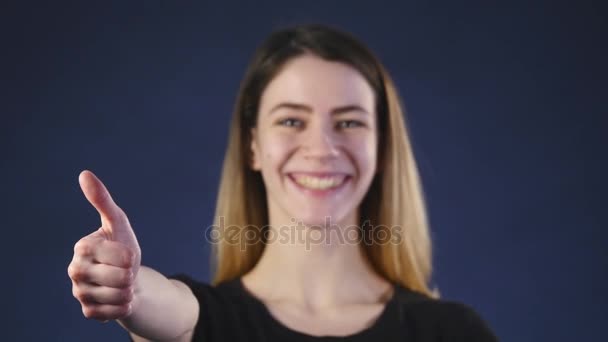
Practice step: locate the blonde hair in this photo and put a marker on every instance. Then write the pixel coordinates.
(395, 197)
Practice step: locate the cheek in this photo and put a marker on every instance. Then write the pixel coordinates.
(274, 150)
(365, 152)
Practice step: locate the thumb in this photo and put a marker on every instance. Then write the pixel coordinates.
(113, 220)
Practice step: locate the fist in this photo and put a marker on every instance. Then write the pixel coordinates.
(105, 263)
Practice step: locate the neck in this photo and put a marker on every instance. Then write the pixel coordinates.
(317, 267)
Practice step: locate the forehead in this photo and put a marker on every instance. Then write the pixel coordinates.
(318, 83)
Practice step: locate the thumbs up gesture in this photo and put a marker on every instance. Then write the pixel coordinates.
(105, 263)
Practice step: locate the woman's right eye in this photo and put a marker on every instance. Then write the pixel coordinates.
(290, 122)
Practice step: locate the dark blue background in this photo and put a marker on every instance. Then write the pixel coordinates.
(506, 104)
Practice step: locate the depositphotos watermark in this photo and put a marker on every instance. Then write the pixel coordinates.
(299, 234)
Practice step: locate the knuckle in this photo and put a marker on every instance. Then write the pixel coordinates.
(121, 214)
(75, 292)
(124, 310)
(127, 278)
(89, 312)
(71, 270)
(75, 272)
(83, 248)
(128, 257)
(127, 295)
(83, 297)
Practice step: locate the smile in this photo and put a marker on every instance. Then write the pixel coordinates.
(319, 182)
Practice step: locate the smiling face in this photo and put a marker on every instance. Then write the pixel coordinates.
(315, 142)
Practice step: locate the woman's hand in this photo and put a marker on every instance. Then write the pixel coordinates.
(105, 263)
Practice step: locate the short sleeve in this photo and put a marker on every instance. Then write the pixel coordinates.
(461, 323)
(204, 294)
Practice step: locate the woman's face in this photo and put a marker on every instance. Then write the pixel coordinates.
(315, 142)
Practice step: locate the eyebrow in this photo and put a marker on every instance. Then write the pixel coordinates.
(305, 108)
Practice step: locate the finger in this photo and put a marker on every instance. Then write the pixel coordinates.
(114, 221)
(100, 274)
(96, 249)
(97, 194)
(114, 254)
(95, 294)
(106, 312)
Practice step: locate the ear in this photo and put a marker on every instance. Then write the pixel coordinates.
(254, 161)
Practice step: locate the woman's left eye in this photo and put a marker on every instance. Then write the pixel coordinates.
(349, 124)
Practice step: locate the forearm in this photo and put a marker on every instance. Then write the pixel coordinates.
(162, 309)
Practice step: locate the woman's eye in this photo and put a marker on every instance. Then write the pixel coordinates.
(349, 124)
(291, 122)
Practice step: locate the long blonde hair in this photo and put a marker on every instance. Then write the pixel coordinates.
(395, 197)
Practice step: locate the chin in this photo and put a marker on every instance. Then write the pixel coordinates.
(321, 218)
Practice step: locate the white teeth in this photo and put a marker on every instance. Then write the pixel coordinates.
(319, 183)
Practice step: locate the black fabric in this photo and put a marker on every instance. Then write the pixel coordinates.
(230, 313)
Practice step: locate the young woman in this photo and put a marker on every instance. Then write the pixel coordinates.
(320, 229)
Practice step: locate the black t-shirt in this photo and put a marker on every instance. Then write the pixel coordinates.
(228, 312)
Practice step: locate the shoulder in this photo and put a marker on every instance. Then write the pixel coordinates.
(220, 307)
(213, 298)
(438, 318)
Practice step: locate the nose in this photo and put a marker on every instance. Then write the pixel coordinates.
(320, 143)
